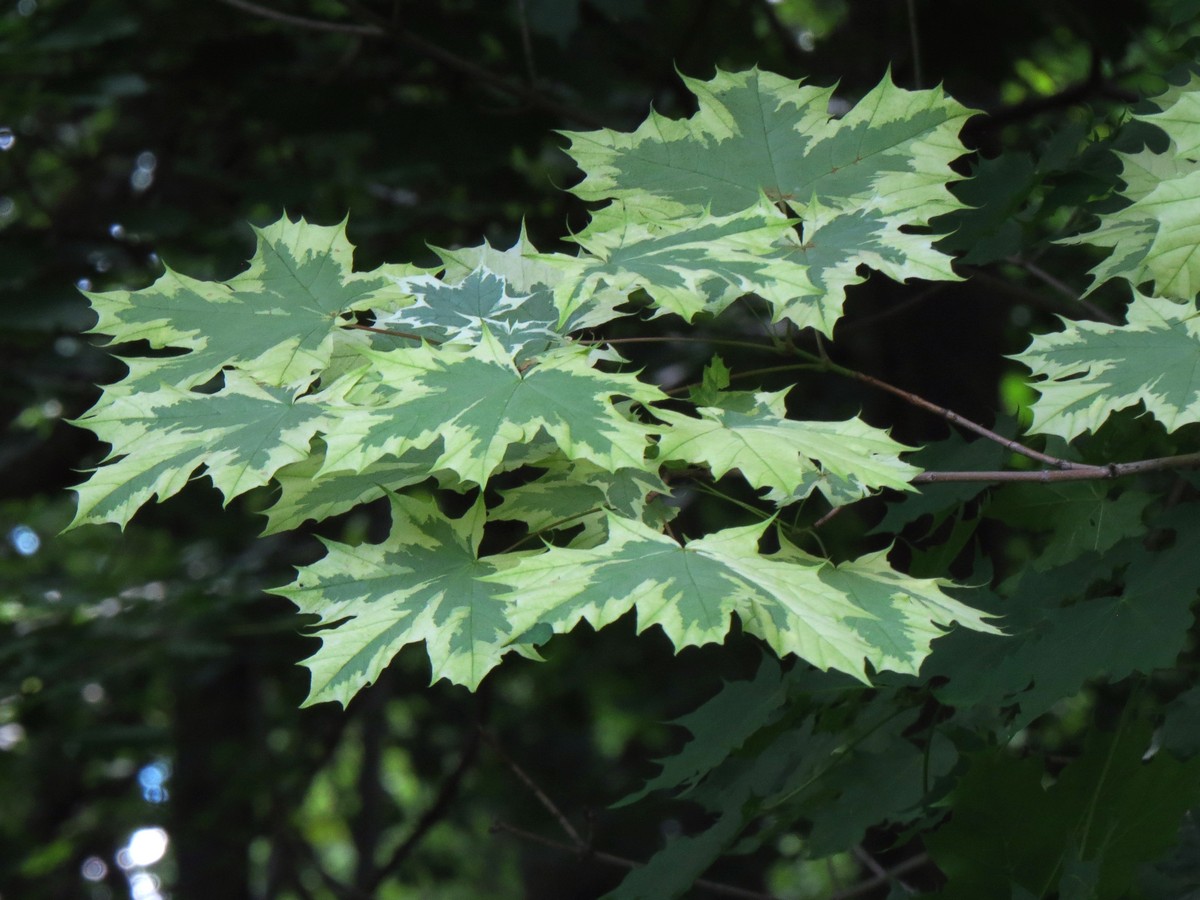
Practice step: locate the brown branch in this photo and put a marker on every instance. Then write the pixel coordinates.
(1077, 472)
(1063, 289)
(563, 822)
(434, 814)
(951, 416)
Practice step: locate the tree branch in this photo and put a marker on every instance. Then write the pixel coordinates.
(434, 814)
(949, 415)
(1078, 472)
(265, 12)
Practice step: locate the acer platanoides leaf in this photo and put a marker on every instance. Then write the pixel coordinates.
(480, 403)
(527, 270)
(749, 432)
(422, 584)
(275, 321)
(1154, 238)
(243, 434)
(834, 617)
(524, 324)
(1090, 370)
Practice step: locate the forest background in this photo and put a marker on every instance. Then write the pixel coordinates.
(152, 737)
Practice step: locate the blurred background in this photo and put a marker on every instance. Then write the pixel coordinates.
(151, 740)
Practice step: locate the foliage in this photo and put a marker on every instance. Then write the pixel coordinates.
(912, 651)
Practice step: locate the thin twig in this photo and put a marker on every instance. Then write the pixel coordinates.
(563, 822)
(434, 814)
(950, 416)
(865, 887)
(473, 70)
(390, 333)
(1063, 288)
(918, 79)
(827, 517)
(266, 12)
(714, 887)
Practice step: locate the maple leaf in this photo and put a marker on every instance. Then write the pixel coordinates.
(524, 324)
(1090, 370)
(688, 264)
(243, 434)
(479, 403)
(1154, 238)
(525, 269)
(833, 617)
(275, 321)
(759, 139)
(751, 433)
(424, 583)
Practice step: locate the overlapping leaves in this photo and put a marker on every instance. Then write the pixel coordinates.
(340, 388)
(1154, 238)
(275, 321)
(834, 617)
(759, 139)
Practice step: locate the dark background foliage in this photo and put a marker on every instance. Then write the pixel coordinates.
(145, 680)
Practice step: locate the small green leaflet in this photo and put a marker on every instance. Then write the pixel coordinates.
(749, 432)
(243, 434)
(1090, 370)
(1154, 239)
(275, 321)
(1079, 516)
(525, 325)
(833, 617)
(422, 584)
(479, 402)
(526, 270)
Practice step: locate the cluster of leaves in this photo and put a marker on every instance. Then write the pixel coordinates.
(533, 479)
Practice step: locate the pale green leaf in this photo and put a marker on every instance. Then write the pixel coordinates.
(845, 461)
(856, 183)
(525, 324)
(833, 617)
(479, 403)
(688, 264)
(571, 493)
(757, 133)
(527, 270)
(421, 584)
(243, 434)
(275, 321)
(1090, 370)
(1155, 238)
